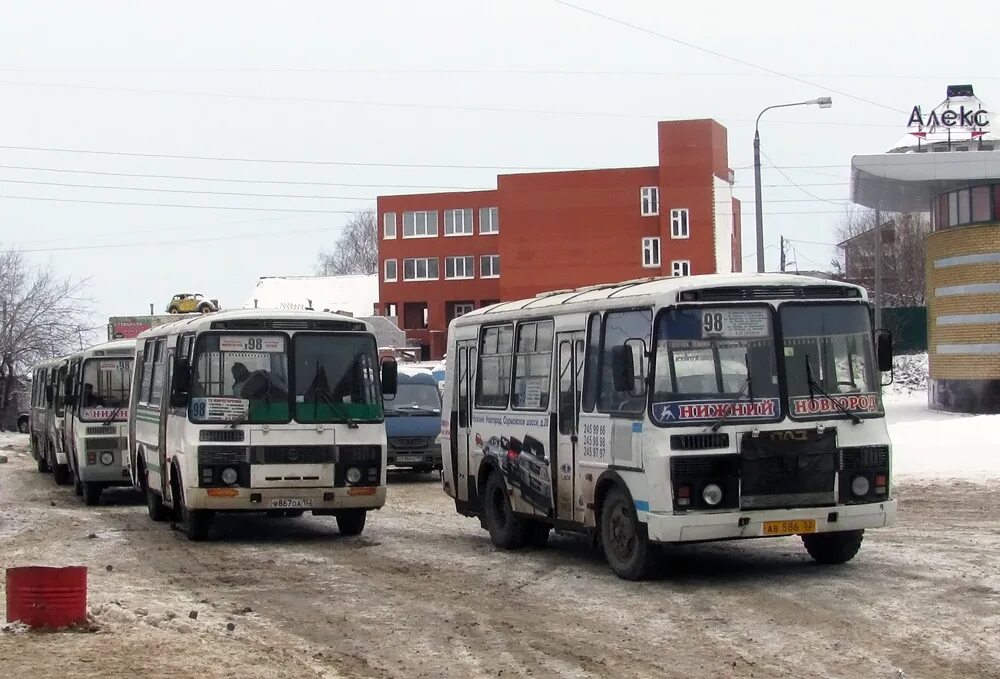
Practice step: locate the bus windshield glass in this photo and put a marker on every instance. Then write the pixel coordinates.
(828, 348)
(715, 362)
(240, 378)
(335, 378)
(106, 386)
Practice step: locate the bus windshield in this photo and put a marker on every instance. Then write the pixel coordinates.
(335, 378)
(714, 362)
(240, 378)
(106, 386)
(828, 348)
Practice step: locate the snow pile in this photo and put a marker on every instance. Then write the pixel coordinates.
(909, 374)
(354, 294)
(936, 445)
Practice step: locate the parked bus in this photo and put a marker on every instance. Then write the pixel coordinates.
(672, 410)
(96, 390)
(46, 419)
(254, 410)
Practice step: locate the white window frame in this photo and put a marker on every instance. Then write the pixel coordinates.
(389, 226)
(680, 267)
(649, 201)
(680, 223)
(426, 220)
(451, 221)
(651, 257)
(482, 268)
(395, 271)
(465, 307)
(468, 267)
(492, 221)
(416, 266)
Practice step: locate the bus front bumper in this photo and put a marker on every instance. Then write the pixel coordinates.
(318, 500)
(699, 526)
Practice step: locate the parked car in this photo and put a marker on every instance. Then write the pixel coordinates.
(413, 421)
(186, 303)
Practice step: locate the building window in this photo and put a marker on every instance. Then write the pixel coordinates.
(390, 271)
(493, 376)
(532, 366)
(649, 201)
(461, 308)
(650, 252)
(458, 222)
(489, 220)
(679, 223)
(389, 225)
(420, 224)
(420, 269)
(680, 267)
(459, 267)
(489, 266)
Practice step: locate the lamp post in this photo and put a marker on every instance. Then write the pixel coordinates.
(822, 102)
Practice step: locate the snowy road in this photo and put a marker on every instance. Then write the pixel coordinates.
(423, 594)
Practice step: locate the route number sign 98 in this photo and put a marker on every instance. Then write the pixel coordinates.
(255, 343)
(752, 322)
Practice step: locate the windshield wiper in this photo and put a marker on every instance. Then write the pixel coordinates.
(339, 407)
(813, 384)
(420, 408)
(240, 419)
(114, 414)
(747, 388)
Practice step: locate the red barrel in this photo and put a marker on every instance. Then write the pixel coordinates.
(43, 596)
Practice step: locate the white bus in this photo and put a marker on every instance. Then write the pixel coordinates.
(251, 410)
(46, 419)
(672, 410)
(96, 388)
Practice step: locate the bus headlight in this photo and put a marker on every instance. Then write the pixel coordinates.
(711, 494)
(107, 458)
(353, 475)
(229, 476)
(860, 486)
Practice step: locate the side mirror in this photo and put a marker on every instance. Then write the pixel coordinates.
(390, 377)
(70, 399)
(883, 350)
(49, 394)
(67, 387)
(622, 368)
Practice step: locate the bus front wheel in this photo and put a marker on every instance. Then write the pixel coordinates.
(196, 523)
(91, 493)
(833, 548)
(154, 502)
(624, 538)
(60, 474)
(43, 464)
(351, 521)
(507, 530)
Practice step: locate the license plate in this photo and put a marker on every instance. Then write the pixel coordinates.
(297, 503)
(409, 458)
(789, 527)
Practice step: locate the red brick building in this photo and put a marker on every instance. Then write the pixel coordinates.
(442, 254)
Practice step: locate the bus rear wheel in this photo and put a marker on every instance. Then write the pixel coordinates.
(624, 538)
(351, 521)
(833, 548)
(507, 529)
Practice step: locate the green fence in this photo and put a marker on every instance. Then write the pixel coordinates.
(908, 326)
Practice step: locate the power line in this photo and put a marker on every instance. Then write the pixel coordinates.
(240, 181)
(202, 207)
(283, 161)
(808, 193)
(162, 190)
(721, 55)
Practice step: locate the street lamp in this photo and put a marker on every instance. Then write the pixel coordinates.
(822, 102)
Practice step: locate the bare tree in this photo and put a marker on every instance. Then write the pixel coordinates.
(903, 273)
(41, 316)
(356, 251)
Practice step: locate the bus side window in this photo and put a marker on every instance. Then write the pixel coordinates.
(619, 328)
(591, 363)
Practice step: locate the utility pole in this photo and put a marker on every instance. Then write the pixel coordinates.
(782, 254)
(878, 268)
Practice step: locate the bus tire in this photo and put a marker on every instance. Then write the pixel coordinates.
(833, 548)
(154, 504)
(196, 523)
(91, 493)
(77, 485)
(537, 534)
(507, 529)
(61, 475)
(43, 464)
(351, 521)
(624, 538)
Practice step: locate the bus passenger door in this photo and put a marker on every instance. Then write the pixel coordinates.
(464, 388)
(161, 437)
(570, 366)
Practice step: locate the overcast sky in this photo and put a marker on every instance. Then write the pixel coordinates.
(352, 88)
